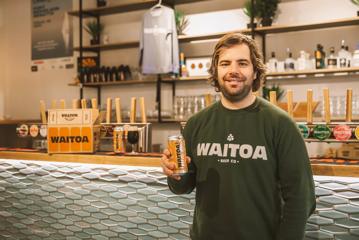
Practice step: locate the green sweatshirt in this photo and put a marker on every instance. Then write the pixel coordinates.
(251, 172)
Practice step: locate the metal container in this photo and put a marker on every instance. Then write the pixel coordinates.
(177, 148)
(119, 139)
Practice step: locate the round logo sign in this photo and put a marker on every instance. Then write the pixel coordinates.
(342, 132)
(321, 132)
(357, 132)
(34, 130)
(43, 131)
(23, 130)
(304, 129)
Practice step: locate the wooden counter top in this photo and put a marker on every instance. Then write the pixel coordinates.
(335, 170)
(154, 161)
(145, 161)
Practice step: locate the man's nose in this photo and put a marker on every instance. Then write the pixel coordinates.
(234, 68)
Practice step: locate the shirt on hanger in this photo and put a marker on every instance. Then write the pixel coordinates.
(158, 42)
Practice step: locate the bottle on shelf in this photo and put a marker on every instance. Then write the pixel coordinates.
(355, 58)
(349, 56)
(342, 56)
(272, 63)
(302, 62)
(289, 62)
(319, 56)
(332, 59)
(183, 68)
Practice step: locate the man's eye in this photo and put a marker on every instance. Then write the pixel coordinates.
(243, 64)
(224, 64)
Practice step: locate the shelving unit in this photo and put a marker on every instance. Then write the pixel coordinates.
(109, 10)
(262, 31)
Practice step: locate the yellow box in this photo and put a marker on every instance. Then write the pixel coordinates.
(73, 131)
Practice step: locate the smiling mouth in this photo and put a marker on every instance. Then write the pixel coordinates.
(234, 80)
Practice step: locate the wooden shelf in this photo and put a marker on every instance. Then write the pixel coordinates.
(186, 79)
(112, 46)
(127, 82)
(338, 71)
(128, 7)
(18, 121)
(201, 37)
(331, 140)
(293, 28)
(280, 75)
(340, 121)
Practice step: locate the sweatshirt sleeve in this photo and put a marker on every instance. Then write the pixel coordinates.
(187, 182)
(296, 181)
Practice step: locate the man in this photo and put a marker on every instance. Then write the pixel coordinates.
(249, 165)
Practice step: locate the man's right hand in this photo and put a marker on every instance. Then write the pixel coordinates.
(168, 167)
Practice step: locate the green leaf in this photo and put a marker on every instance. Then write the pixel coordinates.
(93, 28)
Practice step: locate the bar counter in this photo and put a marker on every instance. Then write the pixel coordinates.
(104, 196)
(153, 160)
(146, 160)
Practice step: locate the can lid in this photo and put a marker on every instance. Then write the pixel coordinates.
(175, 137)
(118, 128)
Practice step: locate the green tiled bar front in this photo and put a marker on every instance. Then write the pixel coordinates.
(47, 200)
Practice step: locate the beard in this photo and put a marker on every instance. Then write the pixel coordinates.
(237, 95)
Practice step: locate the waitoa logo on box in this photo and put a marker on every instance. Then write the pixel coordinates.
(69, 116)
(69, 139)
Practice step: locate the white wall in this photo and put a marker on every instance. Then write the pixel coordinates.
(3, 37)
(23, 89)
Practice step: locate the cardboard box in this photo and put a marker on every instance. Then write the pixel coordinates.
(73, 130)
(348, 151)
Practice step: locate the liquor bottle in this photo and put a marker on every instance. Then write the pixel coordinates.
(272, 63)
(289, 62)
(342, 56)
(183, 68)
(349, 56)
(302, 61)
(332, 59)
(319, 56)
(355, 58)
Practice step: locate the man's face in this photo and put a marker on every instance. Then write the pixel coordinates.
(235, 73)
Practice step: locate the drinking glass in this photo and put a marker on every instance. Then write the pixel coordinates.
(132, 137)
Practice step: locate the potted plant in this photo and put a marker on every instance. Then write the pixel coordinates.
(181, 22)
(249, 11)
(266, 10)
(94, 29)
(279, 91)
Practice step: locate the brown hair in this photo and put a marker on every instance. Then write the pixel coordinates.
(228, 41)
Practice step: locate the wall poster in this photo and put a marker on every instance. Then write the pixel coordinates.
(51, 35)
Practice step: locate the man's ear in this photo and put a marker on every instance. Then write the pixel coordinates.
(255, 76)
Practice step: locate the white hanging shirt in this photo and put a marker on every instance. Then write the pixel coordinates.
(158, 42)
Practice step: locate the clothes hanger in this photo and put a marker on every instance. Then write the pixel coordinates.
(158, 5)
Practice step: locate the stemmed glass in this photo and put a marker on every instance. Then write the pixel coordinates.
(132, 137)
